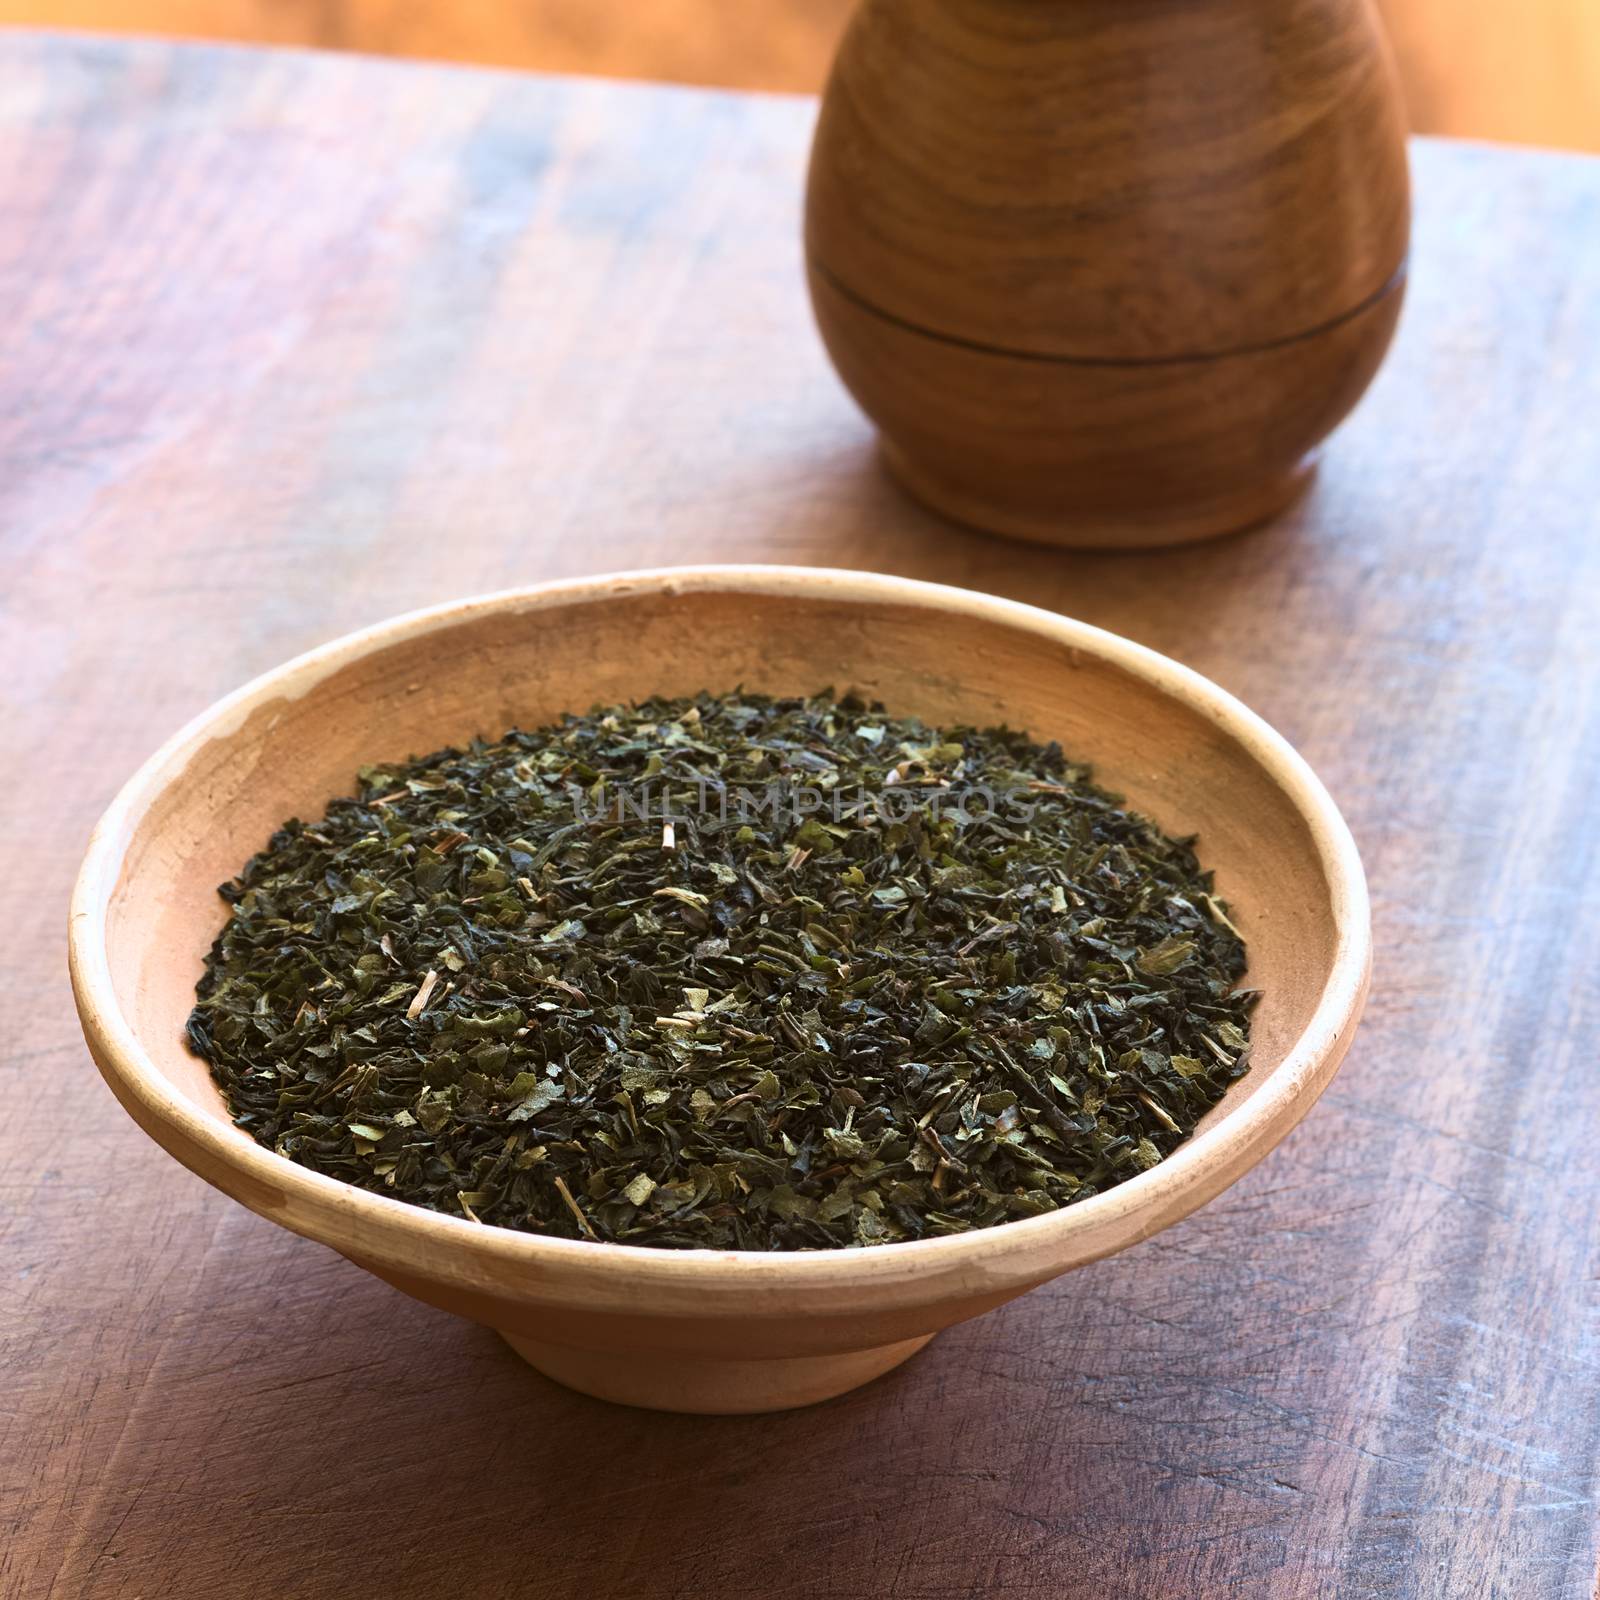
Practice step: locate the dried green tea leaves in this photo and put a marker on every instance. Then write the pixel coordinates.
(734, 972)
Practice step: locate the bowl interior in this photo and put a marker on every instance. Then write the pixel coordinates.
(294, 741)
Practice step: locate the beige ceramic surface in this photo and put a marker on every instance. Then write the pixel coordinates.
(707, 1330)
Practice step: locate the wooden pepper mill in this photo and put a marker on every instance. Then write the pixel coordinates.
(1107, 272)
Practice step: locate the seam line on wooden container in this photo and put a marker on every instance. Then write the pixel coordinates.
(1049, 358)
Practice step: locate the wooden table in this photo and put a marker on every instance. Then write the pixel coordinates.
(294, 342)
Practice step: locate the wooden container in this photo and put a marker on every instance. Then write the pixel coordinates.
(707, 1330)
(1107, 272)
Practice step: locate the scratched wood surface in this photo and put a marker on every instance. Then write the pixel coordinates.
(291, 343)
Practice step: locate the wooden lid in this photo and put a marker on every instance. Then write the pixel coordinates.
(1111, 179)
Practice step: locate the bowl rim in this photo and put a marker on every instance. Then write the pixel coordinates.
(383, 1229)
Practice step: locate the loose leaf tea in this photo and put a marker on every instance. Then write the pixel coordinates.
(734, 972)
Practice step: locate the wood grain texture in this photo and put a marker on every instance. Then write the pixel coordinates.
(1101, 455)
(1106, 274)
(289, 344)
(1111, 180)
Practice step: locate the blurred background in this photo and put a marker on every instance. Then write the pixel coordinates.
(1527, 71)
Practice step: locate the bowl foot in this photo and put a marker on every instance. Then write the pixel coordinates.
(710, 1386)
(1072, 527)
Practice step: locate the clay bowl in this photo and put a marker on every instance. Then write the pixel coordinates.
(710, 1330)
